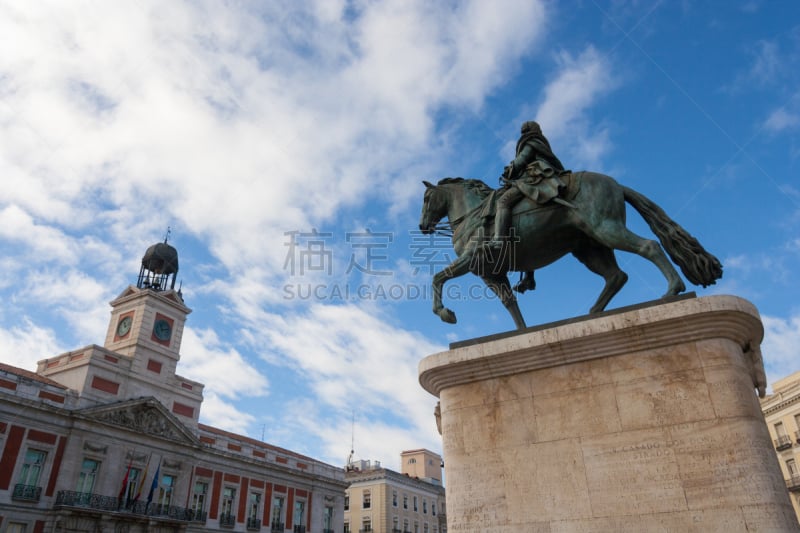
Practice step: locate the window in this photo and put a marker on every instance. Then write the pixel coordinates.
(405, 526)
(366, 524)
(133, 482)
(367, 499)
(416, 527)
(424, 506)
(433, 508)
(228, 495)
(425, 527)
(16, 527)
(405, 501)
(165, 490)
(254, 506)
(87, 476)
(277, 512)
(199, 498)
(327, 518)
(394, 498)
(395, 524)
(347, 527)
(416, 508)
(792, 468)
(347, 502)
(412, 461)
(32, 468)
(299, 517)
(780, 430)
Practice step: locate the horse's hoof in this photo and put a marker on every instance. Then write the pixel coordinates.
(447, 316)
(675, 289)
(526, 284)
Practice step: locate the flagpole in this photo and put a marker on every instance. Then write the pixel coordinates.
(140, 484)
(122, 490)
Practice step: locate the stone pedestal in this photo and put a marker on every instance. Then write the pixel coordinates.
(645, 419)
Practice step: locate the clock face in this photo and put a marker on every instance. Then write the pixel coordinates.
(162, 330)
(124, 326)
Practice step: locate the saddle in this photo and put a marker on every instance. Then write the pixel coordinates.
(541, 185)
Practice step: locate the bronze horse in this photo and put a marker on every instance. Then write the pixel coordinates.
(590, 224)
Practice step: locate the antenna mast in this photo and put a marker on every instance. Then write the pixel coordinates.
(352, 441)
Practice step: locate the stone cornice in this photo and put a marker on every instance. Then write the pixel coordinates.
(689, 320)
(377, 474)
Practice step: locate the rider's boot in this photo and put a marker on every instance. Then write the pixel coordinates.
(502, 223)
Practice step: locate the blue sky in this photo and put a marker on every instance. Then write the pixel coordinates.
(242, 126)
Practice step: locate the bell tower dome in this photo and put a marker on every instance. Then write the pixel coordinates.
(159, 267)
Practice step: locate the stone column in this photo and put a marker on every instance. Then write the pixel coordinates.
(642, 419)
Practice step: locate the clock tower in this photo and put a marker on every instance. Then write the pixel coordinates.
(142, 347)
(150, 316)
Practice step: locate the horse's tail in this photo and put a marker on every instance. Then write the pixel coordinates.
(699, 266)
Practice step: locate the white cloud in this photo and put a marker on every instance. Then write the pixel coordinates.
(222, 369)
(576, 85)
(24, 345)
(233, 124)
(781, 119)
(780, 346)
(354, 361)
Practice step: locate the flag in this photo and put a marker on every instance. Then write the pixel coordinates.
(154, 484)
(141, 483)
(125, 480)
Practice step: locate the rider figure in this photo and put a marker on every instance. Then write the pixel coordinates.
(532, 146)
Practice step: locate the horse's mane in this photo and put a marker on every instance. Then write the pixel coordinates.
(478, 186)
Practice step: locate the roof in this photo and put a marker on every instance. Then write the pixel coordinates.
(30, 375)
(254, 442)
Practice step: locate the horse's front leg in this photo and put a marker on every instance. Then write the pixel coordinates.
(502, 288)
(457, 268)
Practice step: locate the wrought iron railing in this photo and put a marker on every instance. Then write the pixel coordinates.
(29, 493)
(227, 520)
(783, 442)
(68, 498)
(254, 524)
(299, 529)
(276, 527)
(199, 516)
(793, 483)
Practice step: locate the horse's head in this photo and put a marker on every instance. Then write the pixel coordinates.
(434, 208)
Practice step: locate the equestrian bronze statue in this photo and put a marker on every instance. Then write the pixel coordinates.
(582, 213)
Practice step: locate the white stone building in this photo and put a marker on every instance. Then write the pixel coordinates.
(107, 438)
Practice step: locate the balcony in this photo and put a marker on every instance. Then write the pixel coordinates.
(276, 527)
(783, 442)
(98, 502)
(793, 483)
(253, 524)
(26, 493)
(227, 520)
(199, 516)
(299, 529)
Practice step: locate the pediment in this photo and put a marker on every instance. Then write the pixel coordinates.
(143, 415)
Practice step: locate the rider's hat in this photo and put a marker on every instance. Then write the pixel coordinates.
(529, 126)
